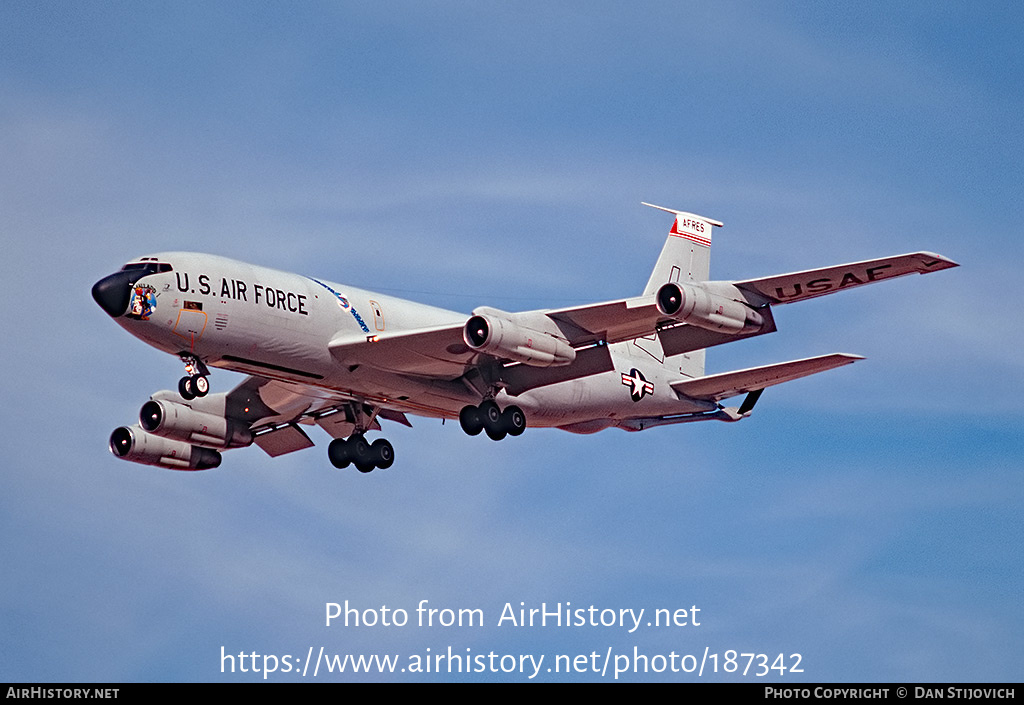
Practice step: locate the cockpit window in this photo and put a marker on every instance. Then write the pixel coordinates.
(147, 268)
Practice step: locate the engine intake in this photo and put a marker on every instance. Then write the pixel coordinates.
(693, 304)
(181, 422)
(136, 445)
(502, 337)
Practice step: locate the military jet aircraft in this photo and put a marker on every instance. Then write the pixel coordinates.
(344, 359)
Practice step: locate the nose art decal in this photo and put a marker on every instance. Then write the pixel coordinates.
(143, 302)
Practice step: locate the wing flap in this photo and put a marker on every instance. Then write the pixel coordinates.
(798, 286)
(286, 439)
(729, 384)
(589, 361)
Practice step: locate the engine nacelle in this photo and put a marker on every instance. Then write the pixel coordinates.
(136, 445)
(180, 422)
(501, 337)
(693, 304)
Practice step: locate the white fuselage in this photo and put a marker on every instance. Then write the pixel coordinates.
(275, 324)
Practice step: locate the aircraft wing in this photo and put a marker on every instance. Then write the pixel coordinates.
(683, 337)
(441, 351)
(612, 321)
(730, 384)
(436, 351)
(798, 286)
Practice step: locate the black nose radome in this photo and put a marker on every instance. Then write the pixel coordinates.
(113, 293)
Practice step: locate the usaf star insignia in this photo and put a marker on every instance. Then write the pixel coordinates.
(638, 384)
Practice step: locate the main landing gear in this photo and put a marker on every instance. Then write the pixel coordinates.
(493, 421)
(356, 450)
(365, 456)
(195, 383)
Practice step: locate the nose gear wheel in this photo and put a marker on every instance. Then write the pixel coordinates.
(191, 387)
(194, 383)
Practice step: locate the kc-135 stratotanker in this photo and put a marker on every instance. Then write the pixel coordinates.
(344, 359)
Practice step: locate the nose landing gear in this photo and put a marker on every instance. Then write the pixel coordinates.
(195, 383)
(191, 387)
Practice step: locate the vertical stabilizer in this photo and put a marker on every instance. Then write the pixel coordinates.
(686, 255)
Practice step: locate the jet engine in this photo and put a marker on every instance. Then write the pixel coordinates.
(693, 304)
(136, 445)
(502, 337)
(183, 423)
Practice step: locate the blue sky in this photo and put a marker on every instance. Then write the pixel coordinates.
(469, 154)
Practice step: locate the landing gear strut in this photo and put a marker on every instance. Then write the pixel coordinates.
(493, 421)
(195, 384)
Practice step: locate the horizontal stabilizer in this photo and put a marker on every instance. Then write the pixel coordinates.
(797, 286)
(683, 214)
(730, 384)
